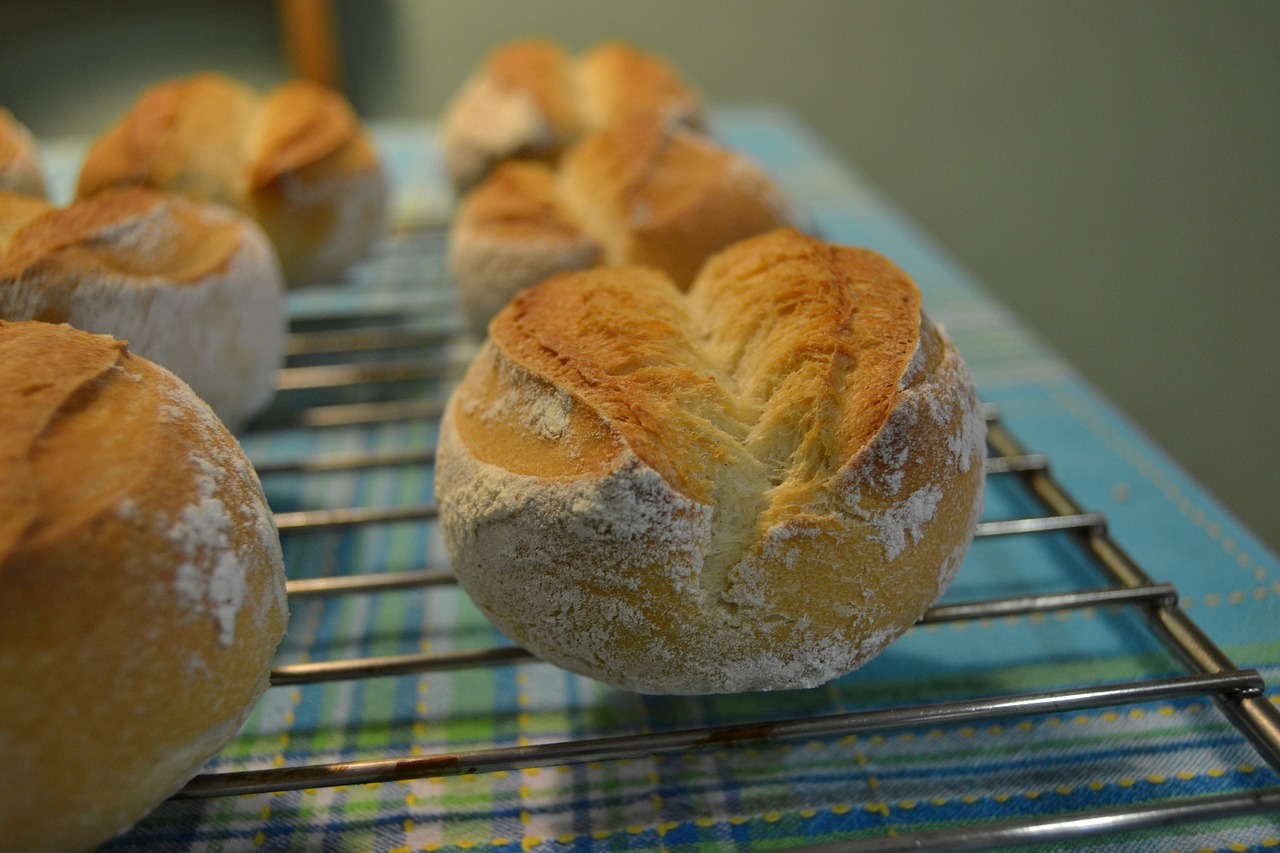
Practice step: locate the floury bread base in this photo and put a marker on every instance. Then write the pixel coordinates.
(757, 485)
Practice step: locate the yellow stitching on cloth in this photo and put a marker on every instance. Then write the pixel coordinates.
(881, 808)
(1148, 470)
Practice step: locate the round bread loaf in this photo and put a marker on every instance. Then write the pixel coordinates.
(530, 100)
(642, 192)
(757, 485)
(511, 232)
(660, 195)
(194, 287)
(296, 160)
(141, 587)
(613, 82)
(19, 158)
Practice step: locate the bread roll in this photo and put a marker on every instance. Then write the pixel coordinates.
(616, 82)
(509, 233)
(757, 485)
(657, 194)
(530, 100)
(642, 192)
(141, 587)
(19, 158)
(296, 160)
(194, 287)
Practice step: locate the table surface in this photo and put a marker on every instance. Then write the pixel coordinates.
(784, 792)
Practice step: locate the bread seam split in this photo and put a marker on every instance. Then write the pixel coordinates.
(791, 444)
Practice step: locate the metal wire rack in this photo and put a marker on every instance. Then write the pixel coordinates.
(353, 368)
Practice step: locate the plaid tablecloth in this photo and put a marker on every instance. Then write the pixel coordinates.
(778, 793)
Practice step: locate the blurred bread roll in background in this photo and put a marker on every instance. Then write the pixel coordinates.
(641, 192)
(142, 590)
(296, 160)
(530, 99)
(509, 233)
(20, 168)
(756, 485)
(195, 287)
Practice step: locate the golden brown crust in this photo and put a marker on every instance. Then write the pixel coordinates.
(16, 211)
(185, 136)
(509, 233)
(617, 82)
(543, 71)
(643, 192)
(143, 587)
(301, 124)
(324, 215)
(77, 240)
(657, 194)
(295, 159)
(193, 286)
(518, 202)
(780, 309)
(755, 485)
(530, 100)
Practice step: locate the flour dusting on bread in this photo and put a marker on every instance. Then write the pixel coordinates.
(757, 485)
(143, 586)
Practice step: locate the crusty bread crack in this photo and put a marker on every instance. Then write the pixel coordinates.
(757, 485)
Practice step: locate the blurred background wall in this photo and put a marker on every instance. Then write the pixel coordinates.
(1109, 168)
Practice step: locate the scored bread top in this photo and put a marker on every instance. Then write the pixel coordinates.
(511, 232)
(142, 589)
(616, 82)
(296, 160)
(754, 485)
(76, 402)
(184, 135)
(643, 192)
(783, 362)
(193, 286)
(212, 138)
(133, 233)
(300, 124)
(519, 104)
(57, 364)
(655, 193)
(517, 203)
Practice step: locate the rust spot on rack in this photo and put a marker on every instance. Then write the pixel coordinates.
(442, 765)
(737, 734)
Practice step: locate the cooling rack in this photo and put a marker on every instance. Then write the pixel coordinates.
(369, 366)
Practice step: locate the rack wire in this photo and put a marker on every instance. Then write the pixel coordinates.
(336, 359)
